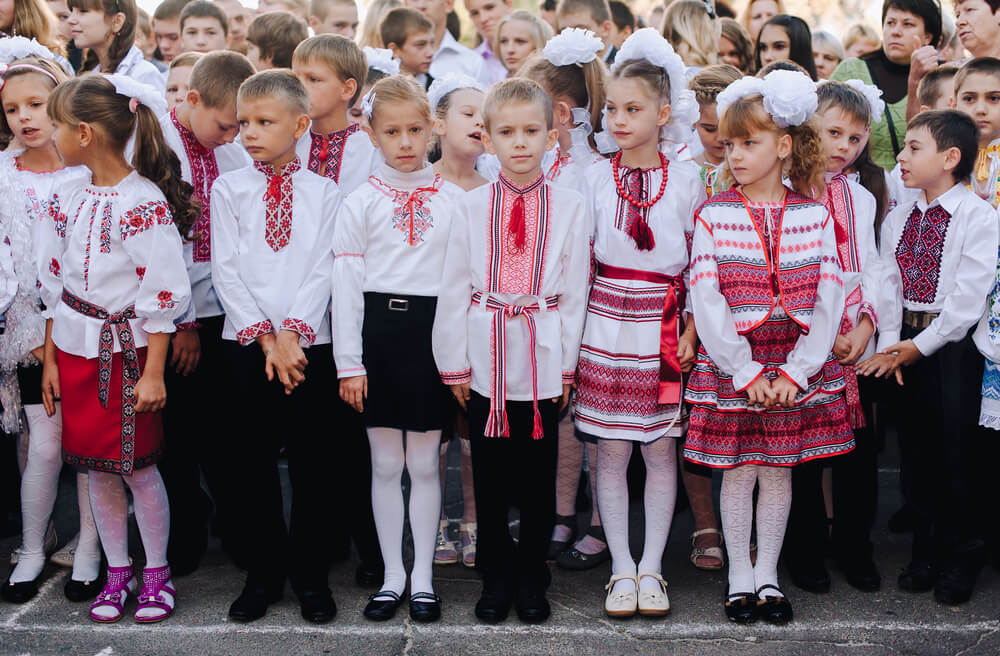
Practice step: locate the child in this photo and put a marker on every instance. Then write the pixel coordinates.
(766, 391)
(381, 64)
(450, 56)
(506, 338)
(758, 12)
(935, 91)
(118, 277)
(385, 288)
(457, 101)
(785, 37)
(200, 131)
(371, 27)
(272, 226)
(273, 38)
(937, 88)
(179, 78)
(572, 75)
(204, 27)
(485, 14)
(31, 19)
(333, 68)
(334, 17)
(977, 93)
(239, 18)
(690, 27)
(623, 23)
(144, 40)
(735, 46)
(593, 15)
(707, 84)
(986, 334)
(410, 36)
(987, 339)
(9, 500)
(167, 28)
(938, 258)
(843, 117)
(519, 34)
(60, 11)
(105, 29)
(628, 382)
(35, 178)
